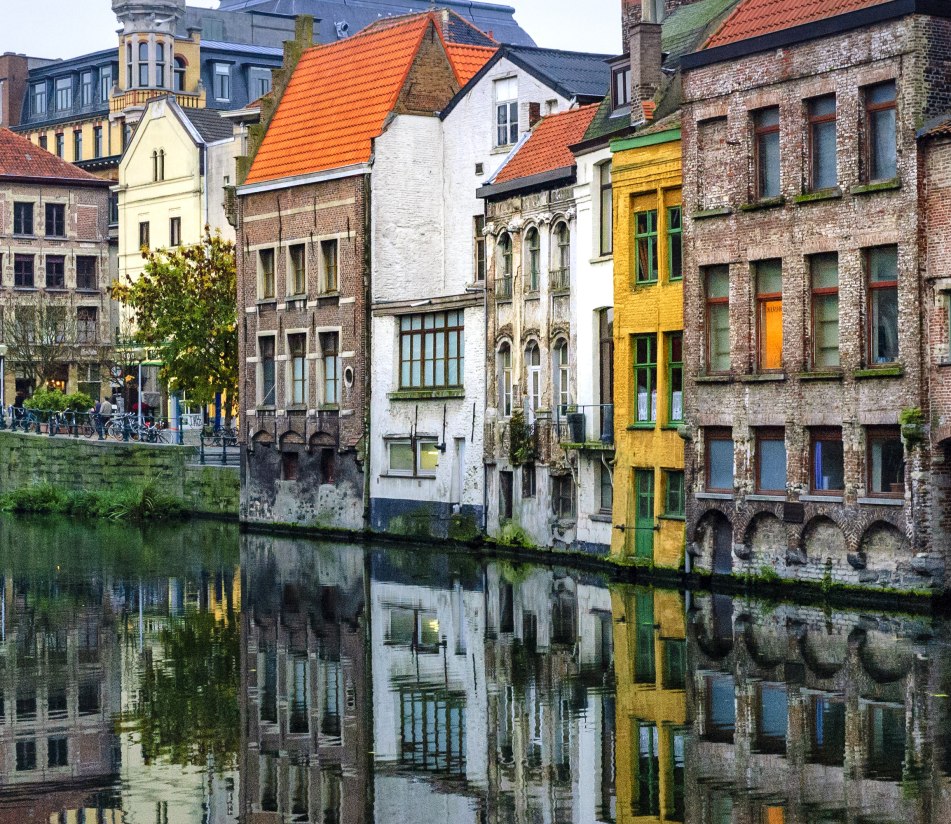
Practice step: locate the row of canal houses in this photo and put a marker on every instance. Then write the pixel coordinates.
(686, 305)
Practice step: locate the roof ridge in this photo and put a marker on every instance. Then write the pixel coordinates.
(369, 31)
(516, 47)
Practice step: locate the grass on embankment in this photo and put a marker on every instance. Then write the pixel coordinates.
(135, 503)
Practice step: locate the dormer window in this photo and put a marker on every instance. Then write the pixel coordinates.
(222, 81)
(506, 111)
(64, 93)
(38, 96)
(621, 88)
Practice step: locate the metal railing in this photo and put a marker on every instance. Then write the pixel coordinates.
(585, 424)
(219, 446)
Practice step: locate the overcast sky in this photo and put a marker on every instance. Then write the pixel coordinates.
(67, 28)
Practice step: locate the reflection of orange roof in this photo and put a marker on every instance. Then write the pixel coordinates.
(468, 60)
(20, 158)
(340, 94)
(547, 148)
(754, 18)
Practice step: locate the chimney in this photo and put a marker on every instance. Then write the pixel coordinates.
(646, 62)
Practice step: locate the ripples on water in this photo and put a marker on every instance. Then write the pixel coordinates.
(192, 675)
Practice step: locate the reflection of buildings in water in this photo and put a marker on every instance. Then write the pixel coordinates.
(804, 715)
(651, 672)
(305, 737)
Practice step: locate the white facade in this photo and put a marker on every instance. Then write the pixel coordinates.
(426, 171)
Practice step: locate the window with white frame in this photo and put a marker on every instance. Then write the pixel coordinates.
(533, 369)
(105, 83)
(561, 376)
(222, 81)
(265, 274)
(38, 98)
(561, 257)
(506, 111)
(413, 457)
(330, 361)
(297, 368)
(64, 93)
(297, 269)
(504, 369)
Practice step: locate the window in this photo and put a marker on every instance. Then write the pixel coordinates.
(43, 141)
(38, 98)
(606, 211)
(675, 255)
(143, 64)
(23, 271)
(97, 141)
(144, 234)
(504, 360)
(478, 226)
(175, 231)
(719, 460)
(266, 273)
(297, 353)
(882, 266)
(533, 259)
(160, 65)
(563, 497)
(561, 376)
(105, 83)
(503, 282)
(533, 370)
(766, 136)
(259, 81)
(432, 350)
(772, 724)
(57, 752)
(769, 314)
(880, 129)
(86, 277)
(645, 378)
(505, 495)
(290, 466)
(86, 88)
(675, 377)
(330, 357)
(529, 478)
(87, 322)
(825, 310)
(886, 461)
(605, 490)
(267, 393)
(55, 271)
(128, 65)
(297, 283)
(506, 111)
(645, 242)
(23, 218)
(60, 145)
(222, 81)
(561, 257)
(621, 87)
(771, 461)
(823, 172)
(826, 461)
(416, 457)
(158, 165)
(674, 501)
(55, 220)
(63, 90)
(178, 72)
(330, 261)
(26, 755)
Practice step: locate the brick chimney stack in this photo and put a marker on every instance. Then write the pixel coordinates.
(646, 60)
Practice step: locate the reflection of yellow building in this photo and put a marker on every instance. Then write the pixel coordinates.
(648, 335)
(650, 650)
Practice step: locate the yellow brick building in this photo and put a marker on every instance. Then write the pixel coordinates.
(648, 340)
(650, 666)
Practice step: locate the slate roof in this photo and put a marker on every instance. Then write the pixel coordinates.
(547, 148)
(242, 48)
(754, 18)
(579, 75)
(20, 158)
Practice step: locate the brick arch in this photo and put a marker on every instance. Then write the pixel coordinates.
(881, 534)
(765, 525)
(826, 524)
(263, 436)
(706, 533)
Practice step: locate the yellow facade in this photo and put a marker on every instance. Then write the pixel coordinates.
(650, 666)
(648, 323)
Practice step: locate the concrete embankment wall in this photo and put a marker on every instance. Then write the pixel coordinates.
(81, 464)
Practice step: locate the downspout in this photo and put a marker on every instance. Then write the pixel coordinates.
(366, 349)
(485, 400)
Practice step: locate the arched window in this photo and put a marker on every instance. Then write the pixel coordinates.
(160, 65)
(179, 73)
(561, 257)
(128, 60)
(143, 64)
(503, 280)
(504, 368)
(561, 376)
(532, 259)
(533, 367)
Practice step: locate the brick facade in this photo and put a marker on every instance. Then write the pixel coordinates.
(853, 534)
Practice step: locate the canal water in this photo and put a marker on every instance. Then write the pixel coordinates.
(190, 674)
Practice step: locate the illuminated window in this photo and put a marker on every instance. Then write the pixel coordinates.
(769, 316)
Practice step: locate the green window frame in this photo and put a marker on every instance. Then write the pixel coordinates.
(675, 256)
(674, 497)
(645, 667)
(675, 377)
(645, 379)
(645, 246)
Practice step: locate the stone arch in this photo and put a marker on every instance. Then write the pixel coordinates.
(291, 438)
(322, 439)
(885, 658)
(881, 539)
(263, 437)
(823, 538)
(713, 538)
(765, 539)
(824, 655)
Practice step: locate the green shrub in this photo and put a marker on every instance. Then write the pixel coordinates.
(133, 504)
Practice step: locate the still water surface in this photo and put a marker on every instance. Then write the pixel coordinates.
(195, 675)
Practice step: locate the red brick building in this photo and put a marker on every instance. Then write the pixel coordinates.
(803, 296)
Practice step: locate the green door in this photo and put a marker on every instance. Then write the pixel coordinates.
(644, 514)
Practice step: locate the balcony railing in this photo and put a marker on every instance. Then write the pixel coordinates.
(590, 426)
(503, 288)
(560, 280)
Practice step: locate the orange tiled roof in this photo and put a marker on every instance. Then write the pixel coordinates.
(547, 147)
(754, 18)
(20, 158)
(339, 96)
(468, 60)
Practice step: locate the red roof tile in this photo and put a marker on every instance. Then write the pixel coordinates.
(547, 148)
(20, 158)
(340, 94)
(754, 18)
